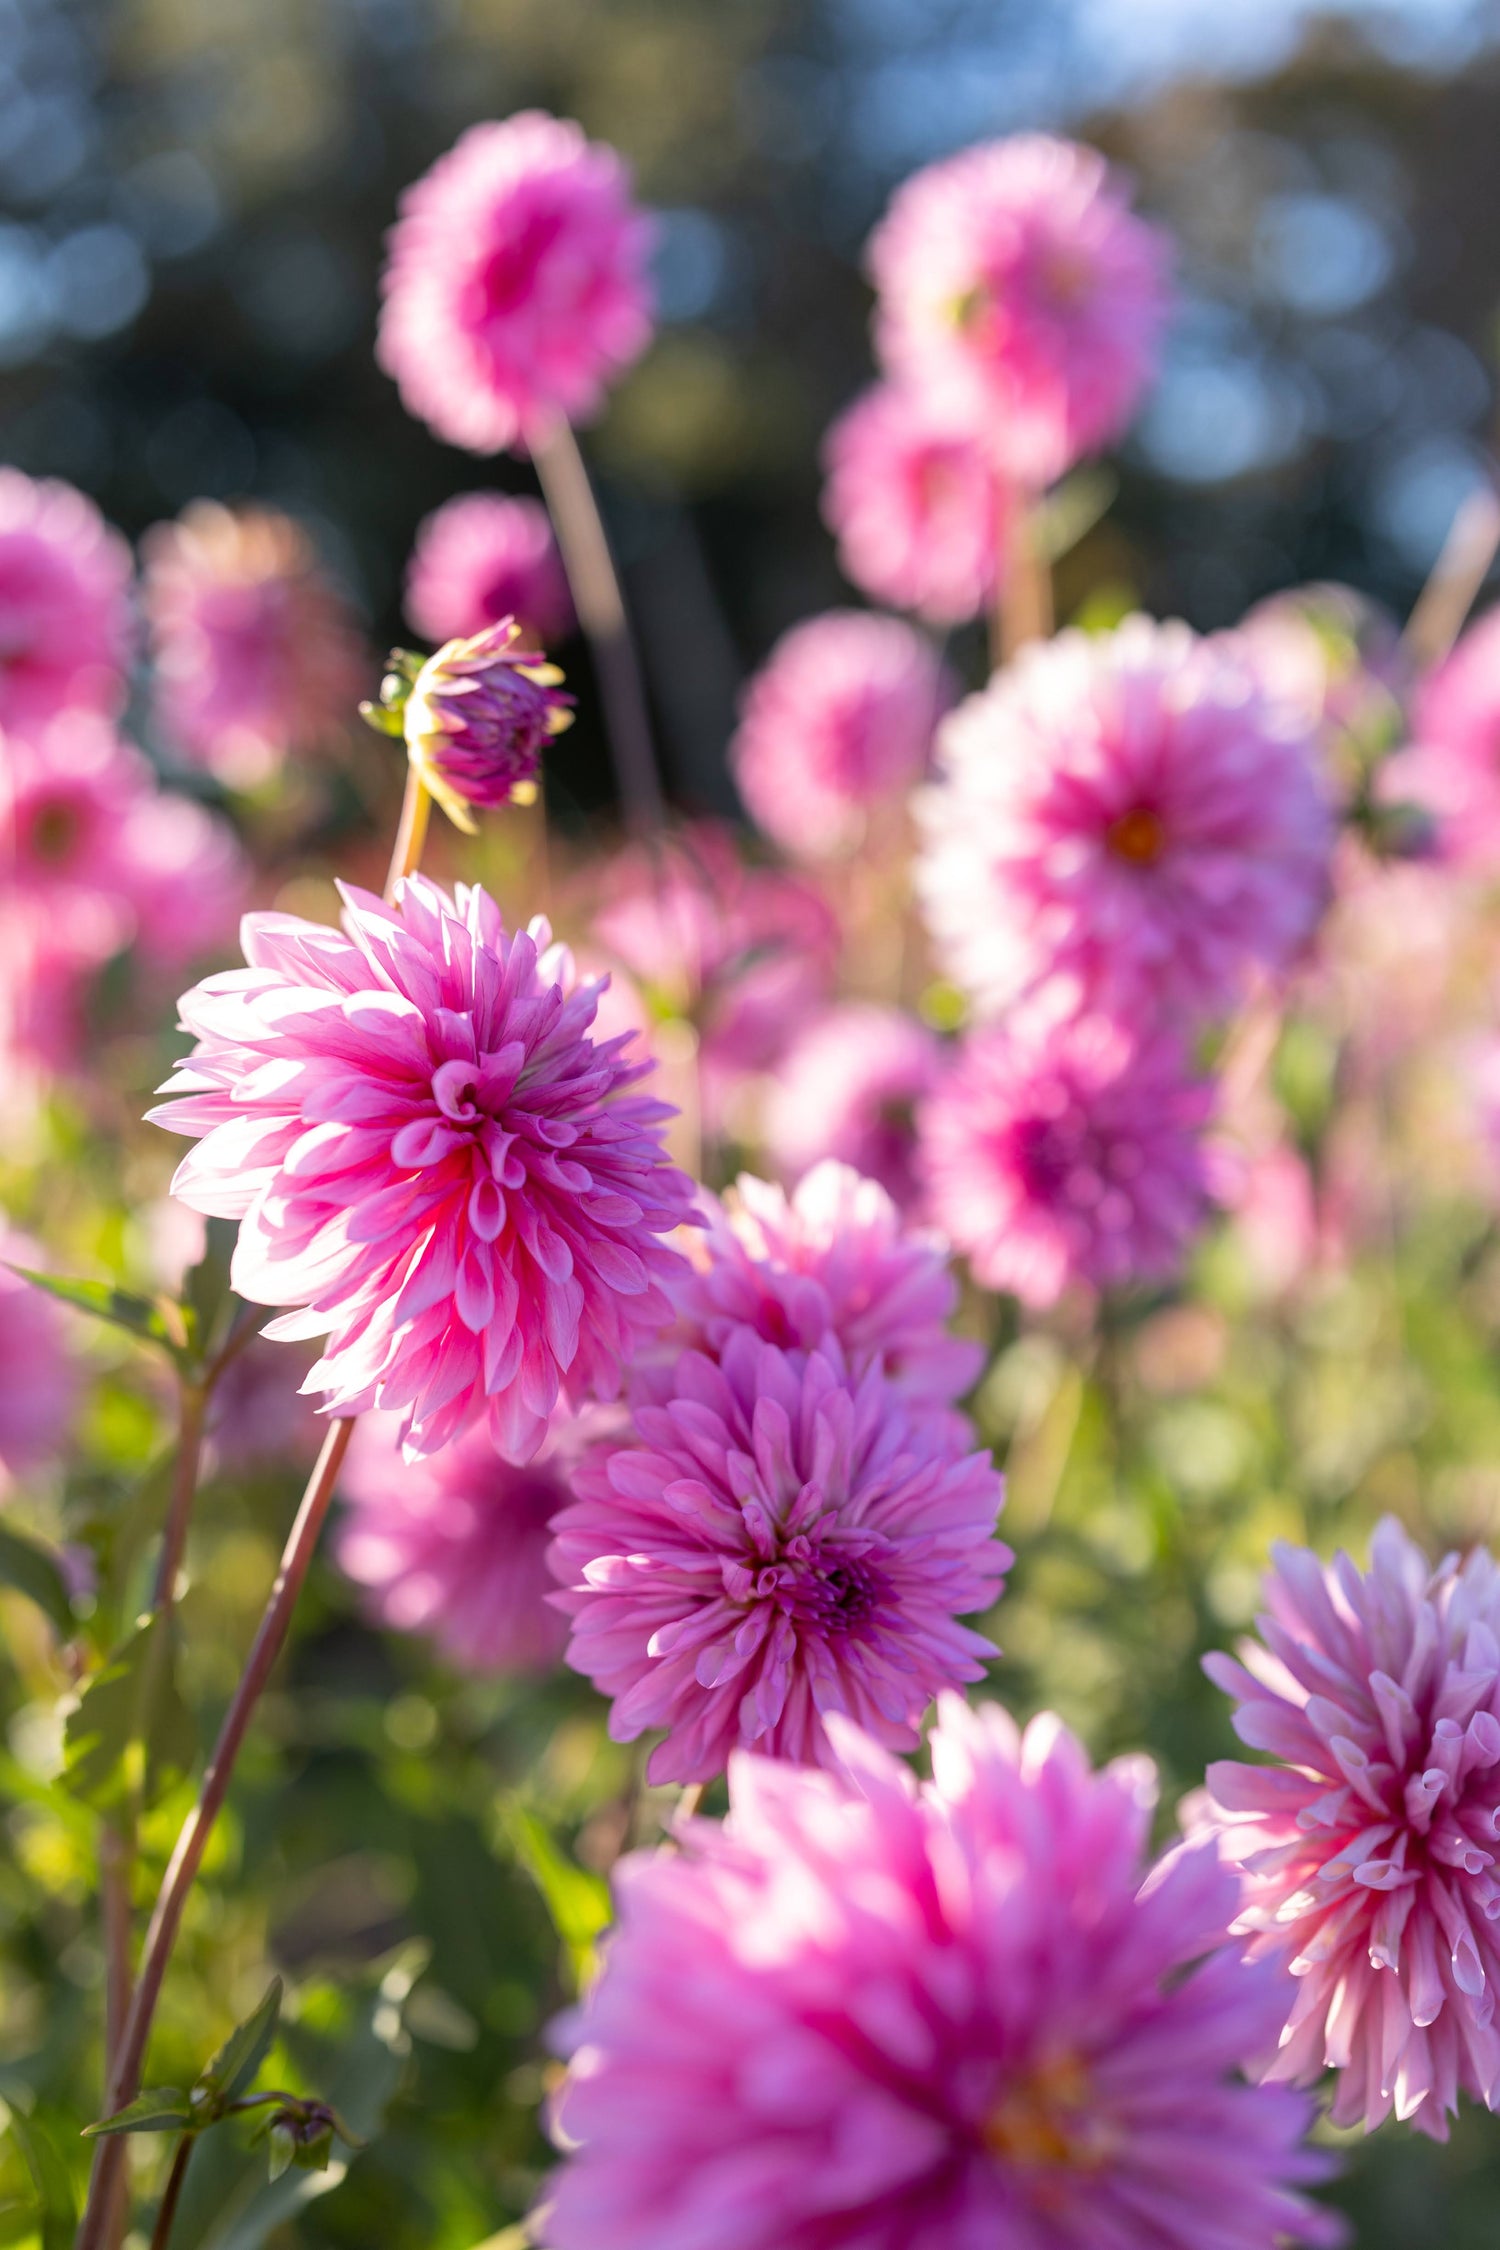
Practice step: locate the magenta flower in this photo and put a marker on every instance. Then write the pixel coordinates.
(431, 1157)
(1368, 1853)
(1015, 283)
(455, 1547)
(783, 1540)
(479, 715)
(65, 628)
(257, 655)
(921, 514)
(38, 1375)
(1123, 822)
(1067, 1152)
(516, 289)
(847, 1089)
(1452, 770)
(837, 722)
(864, 2015)
(482, 557)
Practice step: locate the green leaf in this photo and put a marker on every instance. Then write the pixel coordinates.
(383, 719)
(130, 1736)
(281, 2144)
(577, 1900)
(161, 2109)
(205, 1288)
(33, 1570)
(145, 1317)
(312, 2155)
(237, 2061)
(54, 2182)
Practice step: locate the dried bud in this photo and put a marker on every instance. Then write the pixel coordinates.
(477, 719)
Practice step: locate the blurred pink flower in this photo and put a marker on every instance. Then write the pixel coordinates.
(480, 713)
(1056, 1153)
(427, 1151)
(839, 720)
(257, 655)
(1452, 769)
(1270, 1191)
(1014, 281)
(863, 2015)
(455, 1546)
(1368, 1853)
(258, 1413)
(919, 510)
(38, 1376)
(847, 1089)
(783, 1541)
(516, 288)
(482, 557)
(1335, 657)
(1123, 822)
(65, 623)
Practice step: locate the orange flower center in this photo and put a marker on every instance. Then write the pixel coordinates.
(1138, 836)
(1046, 2121)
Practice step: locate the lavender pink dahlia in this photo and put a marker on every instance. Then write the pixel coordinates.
(432, 1160)
(1368, 1850)
(783, 1539)
(479, 715)
(1452, 770)
(847, 1088)
(482, 557)
(65, 623)
(1123, 822)
(516, 288)
(867, 2015)
(1015, 281)
(38, 1375)
(920, 512)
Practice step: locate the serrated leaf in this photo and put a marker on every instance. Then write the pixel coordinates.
(130, 1735)
(33, 1570)
(144, 1317)
(577, 1900)
(53, 2181)
(160, 2109)
(237, 2061)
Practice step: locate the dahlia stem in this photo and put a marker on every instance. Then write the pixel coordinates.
(601, 610)
(1457, 575)
(411, 832)
(166, 2212)
(187, 1855)
(1023, 610)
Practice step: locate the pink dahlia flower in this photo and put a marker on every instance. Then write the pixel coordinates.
(783, 1540)
(1452, 770)
(455, 1547)
(867, 2015)
(516, 289)
(65, 625)
(847, 1089)
(483, 557)
(919, 510)
(1068, 1152)
(431, 1157)
(479, 715)
(1123, 822)
(839, 720)
(1368, 1852)
(1014, 281)
(257, 655)
(38, 1376)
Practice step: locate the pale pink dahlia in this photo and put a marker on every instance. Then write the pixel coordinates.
(1452, 770)
(1067, 1152)
(65, 624)
(432, 1158)
(482, 557)
(455, 1547)
(847, 1089)
(516, 289)
(782, 1540)
(867, 2015)
(1368, 1852)
(1014, 281)
(920, 512)
(257, 655)
(1123, 821)
(38, 1375)
(478, 717)
(839, 720)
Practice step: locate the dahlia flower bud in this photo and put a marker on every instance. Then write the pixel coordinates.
(477, 718)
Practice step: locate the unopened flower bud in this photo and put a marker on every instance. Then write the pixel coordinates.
(479, 714)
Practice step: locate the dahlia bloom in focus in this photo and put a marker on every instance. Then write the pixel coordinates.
(782, 1541)
(867, 2015)
(432, 1158)
(455, 1547)
(1368, 1852)
(847, 1089)
(1015, 283)
(1123, 822)
(38, 1378)
(483, 557)
(479, 715)
(916, 504)
(1068, 1152)
(257, 655)
(1452, 770)
(65, 630)
(838, 720)
(516, 288)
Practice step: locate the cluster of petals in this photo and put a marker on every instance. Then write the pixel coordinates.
(1452, 769)
(38, 1375)
(1123, 822)
(516, 288)
(782, 1539)
(1015, 283)
(921, 514)
(65, 622)
(839, 720)
(480, 713)
(1368, 1851)
(432, 1160)
(1055, 1153)
(865, 2014)
(256, 654)
(454, 1547)
(847, 1088)
(482, 557)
